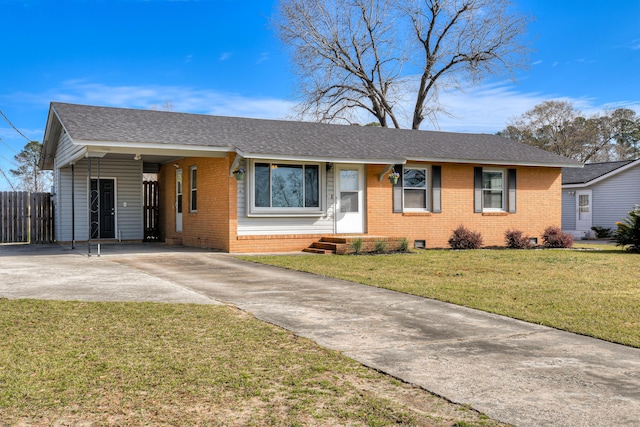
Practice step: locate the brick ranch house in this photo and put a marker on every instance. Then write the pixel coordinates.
(302, 181)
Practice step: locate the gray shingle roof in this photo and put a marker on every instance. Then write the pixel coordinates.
(295, 139)
(590, 171)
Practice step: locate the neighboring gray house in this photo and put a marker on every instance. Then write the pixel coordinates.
(600, 194)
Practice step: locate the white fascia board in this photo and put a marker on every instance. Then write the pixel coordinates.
(494, 162)
(50, 146)
(153, 148)
(575, 185)
(290, 158)
(79, 156)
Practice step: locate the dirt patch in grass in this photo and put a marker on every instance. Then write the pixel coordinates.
(91, 364)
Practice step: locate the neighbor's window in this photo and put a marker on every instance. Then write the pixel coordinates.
(282, 187)
(414, 185)
(493, 190)
(193, 179)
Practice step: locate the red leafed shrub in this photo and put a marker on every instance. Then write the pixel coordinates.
(554, 237)
(463, 238)
(515, 240)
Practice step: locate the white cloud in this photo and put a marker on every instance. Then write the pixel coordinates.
(264, 57)
(183, 99)
(225, 56)
(489, 107)
(484, 109)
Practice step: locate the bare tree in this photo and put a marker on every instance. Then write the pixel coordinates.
(31, 177)
(355, 55)
(558, 127)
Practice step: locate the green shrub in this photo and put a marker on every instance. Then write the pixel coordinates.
(357, 245)
(404, 245)
(602, 232)
(463, 238)
(515, 240)
(381, 246)
(628, 232)
(554, 237)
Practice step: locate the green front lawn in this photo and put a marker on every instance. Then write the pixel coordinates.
(131, 364)
(591, 292)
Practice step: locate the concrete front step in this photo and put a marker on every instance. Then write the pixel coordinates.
(344, 244)
(332, 239)
(324, 245)
(317, 251)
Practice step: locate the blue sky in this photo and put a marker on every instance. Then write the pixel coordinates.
(221, 57)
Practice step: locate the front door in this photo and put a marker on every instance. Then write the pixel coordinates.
(103, 209)
(179, 200)
(583, 210)
(350, 199)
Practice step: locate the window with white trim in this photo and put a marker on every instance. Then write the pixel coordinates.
(193, 185)
(493, 190)
(415, 186)
(285, 187)
(419, 188)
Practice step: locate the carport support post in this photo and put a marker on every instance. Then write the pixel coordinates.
(90, 209)
(98, 208)
(73, 206)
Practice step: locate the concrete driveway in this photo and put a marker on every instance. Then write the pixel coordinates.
(516, 372)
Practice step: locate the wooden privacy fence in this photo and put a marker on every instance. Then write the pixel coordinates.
(26, 217)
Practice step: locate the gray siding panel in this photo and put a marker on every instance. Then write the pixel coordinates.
(613, 198)
(128, 179)
(568, 210)
(67, 151)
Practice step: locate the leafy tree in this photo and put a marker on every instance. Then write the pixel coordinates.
(375, 55)
(545, 126)
(31, 177)
(558, 127)
(623, 125)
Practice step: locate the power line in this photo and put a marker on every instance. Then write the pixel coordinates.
(10, 161)
(8, 180)
(14, 128)
(8, 146)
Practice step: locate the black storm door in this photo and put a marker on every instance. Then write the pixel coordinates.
(105, 210)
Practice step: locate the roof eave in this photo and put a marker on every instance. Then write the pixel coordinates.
(496, 162)
(50, 140)
(126, 146)
(321, 159)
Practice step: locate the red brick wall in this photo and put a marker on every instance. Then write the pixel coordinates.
(538, 196)
(274, 243)
(214, 225)
(210, 226)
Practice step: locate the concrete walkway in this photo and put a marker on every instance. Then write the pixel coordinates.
(516, 372)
